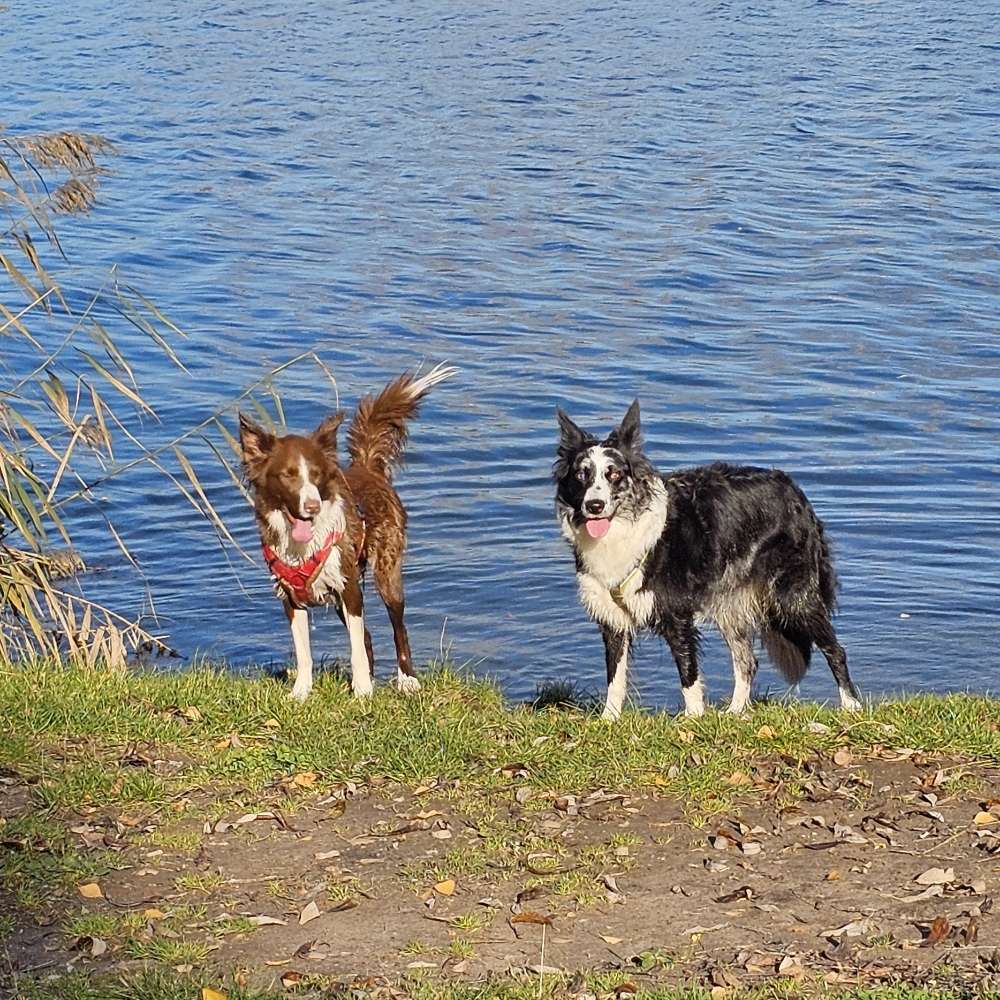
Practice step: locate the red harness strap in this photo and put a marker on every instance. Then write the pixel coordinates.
(297, 580)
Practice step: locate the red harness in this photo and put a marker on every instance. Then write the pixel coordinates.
(297, 580)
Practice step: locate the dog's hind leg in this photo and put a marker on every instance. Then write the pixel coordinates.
(389, 584)
(823, 635)
(616, 650)
(744, 667)
(682, 638)
(298, 619)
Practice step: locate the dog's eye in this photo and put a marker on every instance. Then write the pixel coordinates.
(614, 475)
(581, 474)
(290, 473)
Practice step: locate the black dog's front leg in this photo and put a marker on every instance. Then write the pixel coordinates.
(682, 638)
(616, 649)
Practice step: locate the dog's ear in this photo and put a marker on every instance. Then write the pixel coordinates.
(571, 437)
(571, 440)
(256, 444)
(326, 434)
(628, 434)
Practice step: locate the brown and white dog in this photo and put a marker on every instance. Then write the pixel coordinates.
(322, 524)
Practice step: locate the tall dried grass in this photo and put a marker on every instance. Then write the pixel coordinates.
(72, 400)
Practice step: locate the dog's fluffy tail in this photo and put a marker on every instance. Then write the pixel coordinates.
(789, 650)
(377, 433)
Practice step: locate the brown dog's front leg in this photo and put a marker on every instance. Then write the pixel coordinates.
(298, 619)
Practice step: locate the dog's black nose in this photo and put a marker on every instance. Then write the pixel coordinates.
(311, 507)
(594, 506)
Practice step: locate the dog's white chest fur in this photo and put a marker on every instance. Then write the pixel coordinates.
(329, 583)
(611, 579)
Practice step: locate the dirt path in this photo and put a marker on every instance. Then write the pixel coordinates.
(883, 869)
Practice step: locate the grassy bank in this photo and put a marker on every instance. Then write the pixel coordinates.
(63, 728)
(108, 773)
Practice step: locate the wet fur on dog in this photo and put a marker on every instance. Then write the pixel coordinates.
(322, 524)
(737, 546)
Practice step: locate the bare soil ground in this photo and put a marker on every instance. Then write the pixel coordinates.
(883, 870)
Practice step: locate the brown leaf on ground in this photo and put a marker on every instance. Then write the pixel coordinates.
(938, 931)
(90, 890)
(970, 933)
(309, 912)
(531, 917)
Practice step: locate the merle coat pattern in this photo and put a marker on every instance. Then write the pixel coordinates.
(734, 545)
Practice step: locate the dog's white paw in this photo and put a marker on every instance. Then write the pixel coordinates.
(738, 709)
(611, 714)
(362, 688)
(406, 683)
(849, 703)
(693, 712)
(300, 693)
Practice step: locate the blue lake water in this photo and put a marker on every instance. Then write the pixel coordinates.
(775, 223)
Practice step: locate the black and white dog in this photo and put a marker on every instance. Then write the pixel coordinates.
(734, 545)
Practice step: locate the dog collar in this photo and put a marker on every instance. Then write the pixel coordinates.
(297, 580)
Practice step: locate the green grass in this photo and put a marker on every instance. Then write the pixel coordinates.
(455, 728)
(40, 858)
(164, 986)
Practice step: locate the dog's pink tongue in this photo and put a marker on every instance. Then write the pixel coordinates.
(597, 527)
(302, 531)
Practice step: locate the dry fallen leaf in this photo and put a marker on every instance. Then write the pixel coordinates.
(607, 939)
(531, 917)
(936, 876)
(304, 779)
(153, 914)
(928, 893)
(445, 887)
(985, 819)
(309, 912)
(207, 993)
(192, 713)
(938, 932)
(265, 921)
(90, 890)
(766, 733)
(290, 978)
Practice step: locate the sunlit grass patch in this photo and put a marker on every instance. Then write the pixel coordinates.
(210, 728)
(205, 883)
